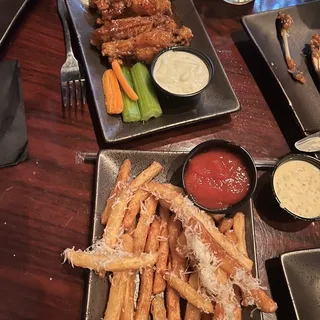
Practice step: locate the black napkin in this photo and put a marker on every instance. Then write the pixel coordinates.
(13, 129)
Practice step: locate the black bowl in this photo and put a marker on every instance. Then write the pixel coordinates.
(290, 157)
(193, 95)
(234, 148)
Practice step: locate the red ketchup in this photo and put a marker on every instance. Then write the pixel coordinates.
(217, 179)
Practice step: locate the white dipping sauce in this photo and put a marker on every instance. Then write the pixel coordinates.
(180, 72)
(297, 186)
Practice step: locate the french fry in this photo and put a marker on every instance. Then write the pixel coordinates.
(98, 262)
(144, 300)
(145, 294)
(218, 217)
(178, 263)
(218, 312)
(231, 236)
(232, 267)
(146, 175)
(141, 231)
(158, 309)
(225, 225)
(115, 301)
(172, 300)
(192, 312)
(164, 203)
(159, 284)
(118, 286)
(219, 309)
(181, 247)
(127, 310)
(118, 209)
(174, 188)
(187, 292)
(117, 212)
(122, 177)
(240, 232)
(134, 208)
(186, 210)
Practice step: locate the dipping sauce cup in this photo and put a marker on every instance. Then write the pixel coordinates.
(181, 72)
(219, 176)
(296, 186)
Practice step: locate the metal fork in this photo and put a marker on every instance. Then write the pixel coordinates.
(73, 86)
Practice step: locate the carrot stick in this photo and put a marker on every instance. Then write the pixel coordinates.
(114, 102)
(123, 81)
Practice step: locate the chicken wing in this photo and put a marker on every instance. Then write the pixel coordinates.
(111, 9)
(144, 46)
(151, 7)
(315, 52)
(122, 29)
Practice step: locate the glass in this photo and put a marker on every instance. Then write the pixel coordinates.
(238, 2)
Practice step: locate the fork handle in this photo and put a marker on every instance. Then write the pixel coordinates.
(63, 12)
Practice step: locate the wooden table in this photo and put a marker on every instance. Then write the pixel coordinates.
(46, 202)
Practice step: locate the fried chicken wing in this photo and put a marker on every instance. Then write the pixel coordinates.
(126, 28)
(315, 52)
(151, 7)
(111, 9)
(144, 46)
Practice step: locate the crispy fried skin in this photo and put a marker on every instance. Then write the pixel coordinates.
(127, 28)
(111, 9)
(144, 46)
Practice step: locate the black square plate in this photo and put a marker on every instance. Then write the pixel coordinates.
(218, 98)
(10, 11)
(301, 269)
(108, 165)
(261, 27)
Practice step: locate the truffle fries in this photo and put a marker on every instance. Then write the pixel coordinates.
(285, 21)
(192, 312)
(122, 179)
(145, 294)
(158, 309)
(189, 293)
(119, 207)
(177, 266)
(118, 286)
(221, 251)
(159, 284)
(315, 53)
(99, 262)
(127, 310)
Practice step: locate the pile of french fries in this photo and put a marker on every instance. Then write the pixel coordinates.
(161, 249)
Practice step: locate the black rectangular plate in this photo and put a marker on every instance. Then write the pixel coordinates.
(10, 11)
(108, 165)
(218, 98)
(301, 269)
(261, 27)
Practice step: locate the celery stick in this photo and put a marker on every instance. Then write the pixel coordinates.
(131, 112)
(148, 102)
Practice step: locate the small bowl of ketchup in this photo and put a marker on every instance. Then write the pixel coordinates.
(219, 176)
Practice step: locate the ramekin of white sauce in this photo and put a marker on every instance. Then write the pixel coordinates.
(182, 71)
(296, 184)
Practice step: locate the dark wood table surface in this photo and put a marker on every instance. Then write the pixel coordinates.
(46, 203)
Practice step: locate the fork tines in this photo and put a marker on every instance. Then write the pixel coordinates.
(73, 91)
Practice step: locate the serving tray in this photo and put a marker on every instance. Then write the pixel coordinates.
(218, 99)
(302, 98)
(108, 165)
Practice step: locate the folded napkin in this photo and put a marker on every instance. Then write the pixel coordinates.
(13, 129)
